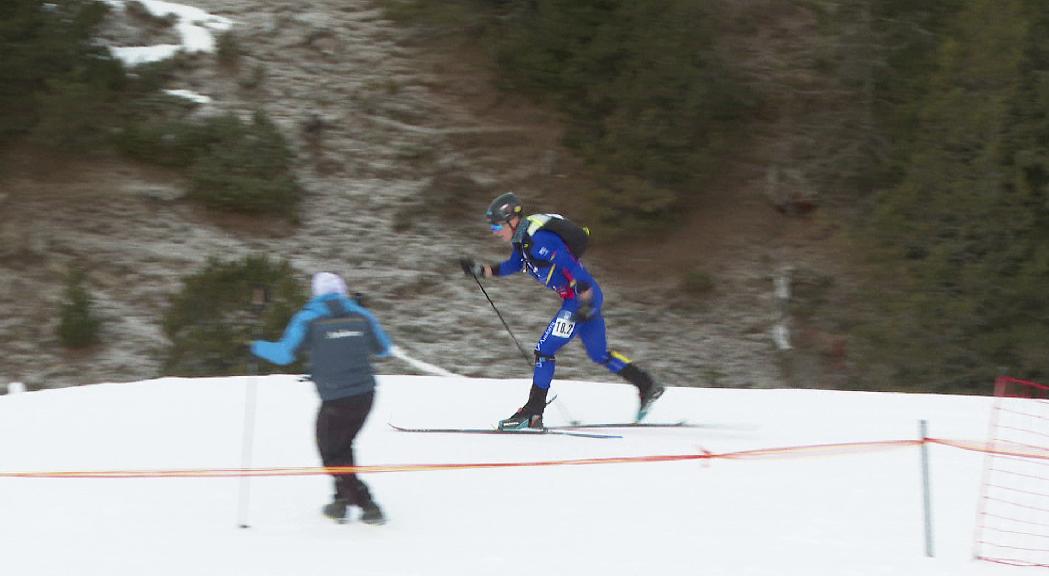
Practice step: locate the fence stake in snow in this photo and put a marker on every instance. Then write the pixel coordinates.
(259, 298)
(923, 429)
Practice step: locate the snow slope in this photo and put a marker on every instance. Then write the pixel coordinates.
(194, 26)
(837, 513)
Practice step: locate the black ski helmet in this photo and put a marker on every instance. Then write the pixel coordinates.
(503, 208)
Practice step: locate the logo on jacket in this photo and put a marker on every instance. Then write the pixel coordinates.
(342, 334)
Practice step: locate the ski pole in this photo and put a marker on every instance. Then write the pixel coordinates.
(560, 405)
(501, 319)
(259, 297)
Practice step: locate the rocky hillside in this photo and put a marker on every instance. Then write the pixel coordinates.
(400, 141)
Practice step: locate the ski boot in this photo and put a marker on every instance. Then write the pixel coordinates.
(648, 389)
(522, 421)
(530, 416)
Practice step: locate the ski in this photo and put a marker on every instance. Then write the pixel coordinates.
(557, 431)
(677, 424)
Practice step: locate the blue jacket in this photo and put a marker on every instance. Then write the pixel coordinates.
(551, 264)
(339, 336)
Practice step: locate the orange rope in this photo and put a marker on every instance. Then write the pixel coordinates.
(998, 448)
(788, 451)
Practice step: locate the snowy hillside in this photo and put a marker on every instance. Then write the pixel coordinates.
(413, 144)
(853, 510)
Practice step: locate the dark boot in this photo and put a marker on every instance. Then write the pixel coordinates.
(648, 389)
(531, 414)
(370, 511)
(336, 510)
(372, 514)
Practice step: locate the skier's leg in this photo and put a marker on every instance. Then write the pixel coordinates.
(559, 332)
(592, 333)
(338, 423)
(327, 435)
(358, 410)
(355, 413)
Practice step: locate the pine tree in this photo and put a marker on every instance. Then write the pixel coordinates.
(211, 319)
(959, 238)
(51, 66)
(78, 325)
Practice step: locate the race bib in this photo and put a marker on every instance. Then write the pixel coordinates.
(563, 328)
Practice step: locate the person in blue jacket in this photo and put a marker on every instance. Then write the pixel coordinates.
(340, 336)
(543, 254)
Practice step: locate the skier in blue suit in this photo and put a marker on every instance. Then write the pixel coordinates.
(540, 250)
(340, 336)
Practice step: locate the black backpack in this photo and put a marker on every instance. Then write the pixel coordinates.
(574, 236)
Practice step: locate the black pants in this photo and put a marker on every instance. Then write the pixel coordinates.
(338, 422)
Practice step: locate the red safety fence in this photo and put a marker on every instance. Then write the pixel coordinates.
(1012, 525)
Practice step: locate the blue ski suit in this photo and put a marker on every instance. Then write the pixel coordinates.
(544, 255)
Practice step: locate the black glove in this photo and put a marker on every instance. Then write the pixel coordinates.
(471, 268)
(584, 312)
(360, 299)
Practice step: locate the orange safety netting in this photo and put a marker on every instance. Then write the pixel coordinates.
(1012, 525)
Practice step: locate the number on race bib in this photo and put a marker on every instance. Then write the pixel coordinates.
(563, 327)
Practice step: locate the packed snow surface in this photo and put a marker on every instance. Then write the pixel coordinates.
(825, 512)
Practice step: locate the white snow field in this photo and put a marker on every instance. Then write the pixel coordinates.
(194, 26)
(852, 510)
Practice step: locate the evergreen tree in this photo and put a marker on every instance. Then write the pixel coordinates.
(52, 69)
(961, 239)
(78, 325)
(246, 168)
(212, 318)
(648, 100)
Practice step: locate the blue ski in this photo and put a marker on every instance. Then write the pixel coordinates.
(679, 424)
(494, 431)
(676, 424)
